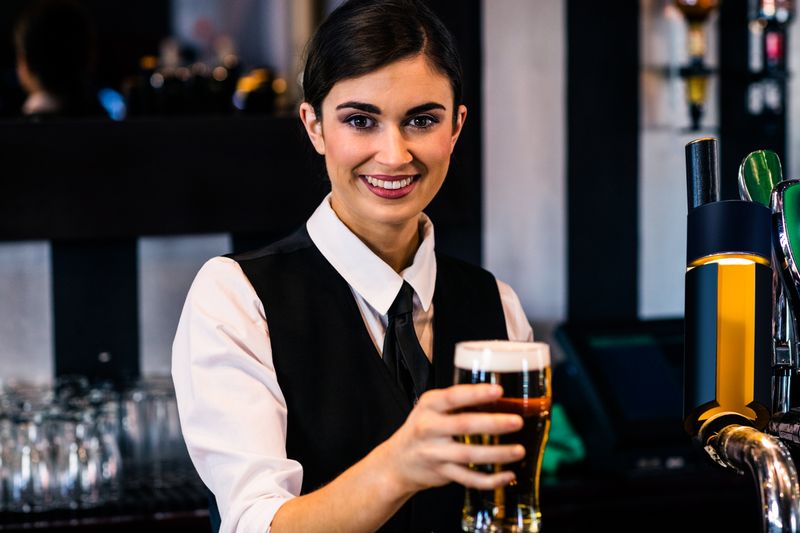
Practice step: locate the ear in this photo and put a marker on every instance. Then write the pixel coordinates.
(313, 125)
(461, 117)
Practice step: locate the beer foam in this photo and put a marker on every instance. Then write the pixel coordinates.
(502, 356)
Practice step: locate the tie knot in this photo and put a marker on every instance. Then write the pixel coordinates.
(404, 302)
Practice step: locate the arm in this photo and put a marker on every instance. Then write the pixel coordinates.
(232, 411)
(222, 361)
(421, 454)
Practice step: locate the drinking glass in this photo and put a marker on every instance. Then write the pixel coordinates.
(31, 466)
(523, 370)
(7, 447)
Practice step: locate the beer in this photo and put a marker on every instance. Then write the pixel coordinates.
(523, 370)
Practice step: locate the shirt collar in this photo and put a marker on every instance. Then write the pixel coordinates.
(364, 271)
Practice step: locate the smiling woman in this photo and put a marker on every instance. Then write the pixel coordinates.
(387, 143)
(313, 382)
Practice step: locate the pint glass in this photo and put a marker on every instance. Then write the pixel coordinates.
(523, 370)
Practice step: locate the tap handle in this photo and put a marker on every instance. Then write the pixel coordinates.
(785, 204)
(702, 172)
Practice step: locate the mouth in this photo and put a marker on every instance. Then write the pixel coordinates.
(391, 187)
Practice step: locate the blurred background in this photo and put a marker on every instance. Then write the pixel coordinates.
(568, 183)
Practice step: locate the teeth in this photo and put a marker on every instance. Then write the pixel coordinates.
(391, 185)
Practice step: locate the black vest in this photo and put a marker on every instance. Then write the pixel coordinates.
(340, 397)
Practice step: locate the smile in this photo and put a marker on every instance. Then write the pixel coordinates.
(389, 183)
(390, 187)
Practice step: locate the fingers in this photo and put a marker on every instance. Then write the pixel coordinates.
(475, 424)
(458, 396)
(455, 452)
(476, 480)
(435, 417)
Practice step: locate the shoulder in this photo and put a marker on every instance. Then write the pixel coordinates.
(221, 304)
(220, 278)
(468, 275)
(299, 240)
(451, 266)
(517, 323)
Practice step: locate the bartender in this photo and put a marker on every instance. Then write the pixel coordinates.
(313, 376)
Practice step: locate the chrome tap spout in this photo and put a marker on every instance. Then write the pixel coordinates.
(768, 460)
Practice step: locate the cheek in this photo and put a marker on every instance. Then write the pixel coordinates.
(437, 152)
(344, 155)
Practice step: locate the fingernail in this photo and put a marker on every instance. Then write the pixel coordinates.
(515, 421)
(519, 451)
(495, 389)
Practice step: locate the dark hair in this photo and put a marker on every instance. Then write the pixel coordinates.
(361, 36)
(57, 41)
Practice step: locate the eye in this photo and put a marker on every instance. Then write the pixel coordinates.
(422, 121)
(360, 122)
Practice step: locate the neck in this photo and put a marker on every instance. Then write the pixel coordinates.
(395, 244)
(397, 248)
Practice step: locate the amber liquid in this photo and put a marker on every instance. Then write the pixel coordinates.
(515, 507)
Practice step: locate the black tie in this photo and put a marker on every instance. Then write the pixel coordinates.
(402, 352)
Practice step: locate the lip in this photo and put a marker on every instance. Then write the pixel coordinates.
(391, 194)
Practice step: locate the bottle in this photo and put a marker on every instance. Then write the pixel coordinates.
(728, 315)
(774, 16)
(696, 13)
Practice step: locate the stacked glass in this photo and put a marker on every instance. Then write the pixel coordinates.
(153, 447)
(63, 446)
(58, 448)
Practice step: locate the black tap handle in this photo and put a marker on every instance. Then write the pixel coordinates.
(702, 172)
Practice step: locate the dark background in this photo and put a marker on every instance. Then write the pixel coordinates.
(125, 32)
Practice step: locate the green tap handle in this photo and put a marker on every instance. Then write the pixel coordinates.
(759, 172)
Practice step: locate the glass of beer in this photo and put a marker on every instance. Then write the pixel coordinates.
(523, 370)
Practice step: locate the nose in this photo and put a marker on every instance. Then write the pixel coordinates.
(393, 149)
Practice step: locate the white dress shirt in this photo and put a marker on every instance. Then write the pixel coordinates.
(232, 411)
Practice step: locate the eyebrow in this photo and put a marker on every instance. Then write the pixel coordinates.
(369, 108)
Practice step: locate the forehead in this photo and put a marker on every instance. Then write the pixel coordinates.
(402, 82)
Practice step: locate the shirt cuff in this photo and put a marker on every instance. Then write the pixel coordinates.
(257, 518)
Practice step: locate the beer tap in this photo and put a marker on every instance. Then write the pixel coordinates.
(785, 203)
(759, 173)
(769, 462)
(728, 326)
(728, 300)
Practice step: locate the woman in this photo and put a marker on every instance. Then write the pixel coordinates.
(290, 414)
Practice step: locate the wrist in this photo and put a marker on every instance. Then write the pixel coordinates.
(391, 476)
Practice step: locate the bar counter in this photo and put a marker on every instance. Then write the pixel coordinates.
(699, 499)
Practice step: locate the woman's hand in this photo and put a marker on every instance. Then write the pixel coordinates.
(424, 453)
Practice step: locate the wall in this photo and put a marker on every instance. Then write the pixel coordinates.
(524, 172)
(664, 131)
(26, 337)
(167, 266)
